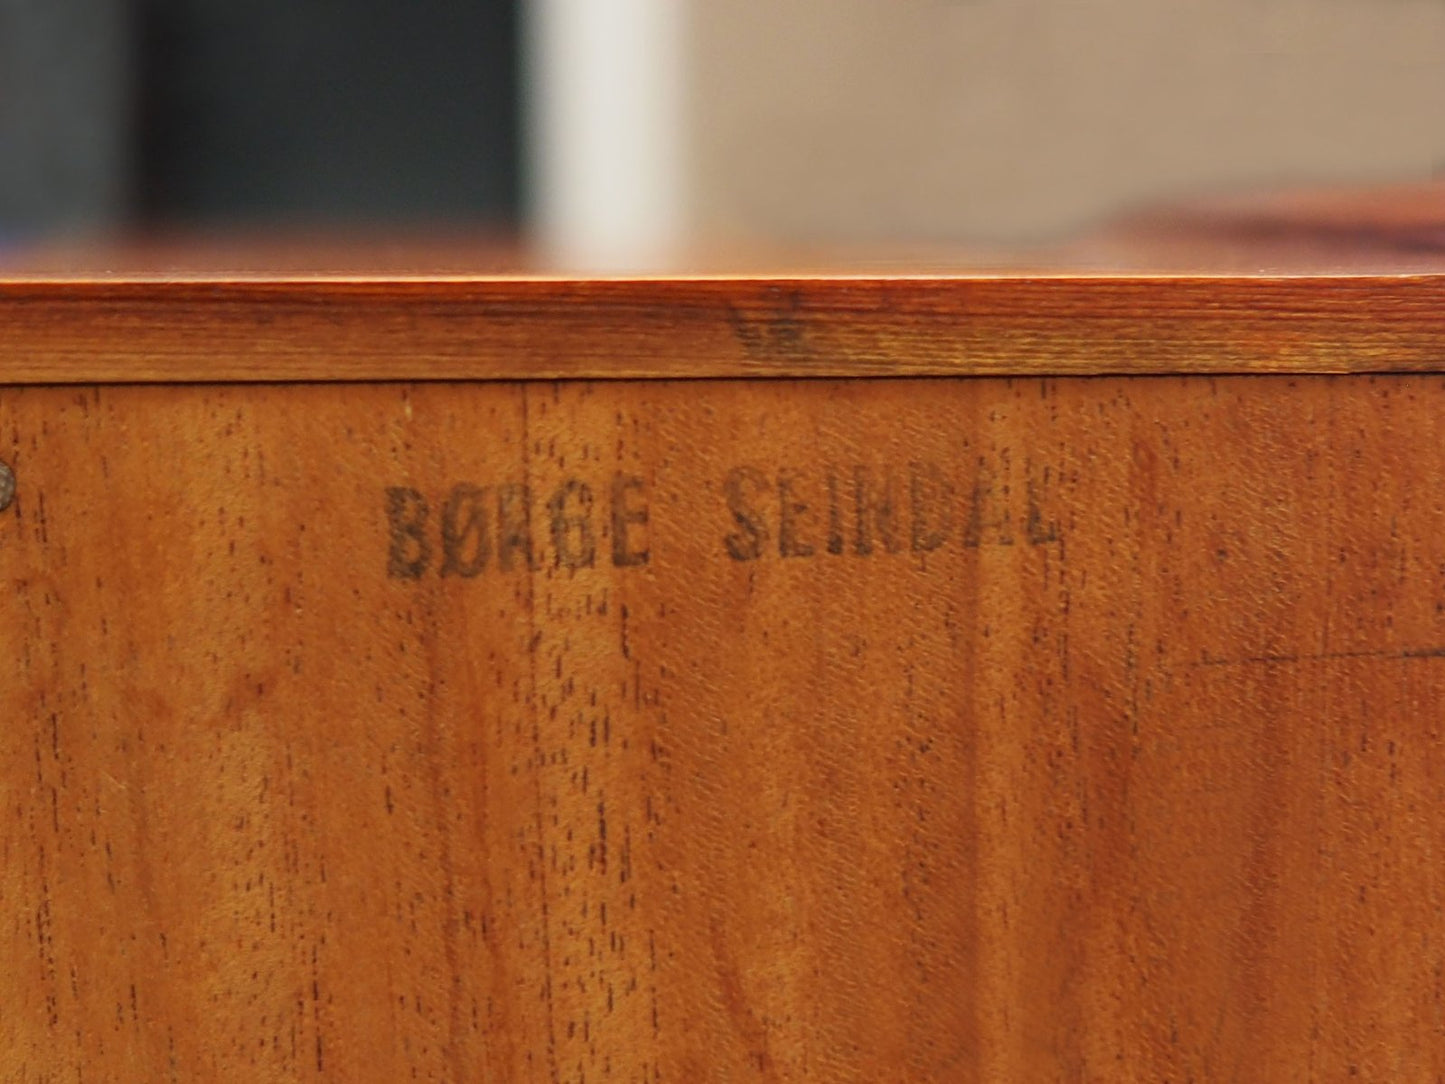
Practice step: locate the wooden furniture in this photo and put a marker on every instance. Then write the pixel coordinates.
(941, 678)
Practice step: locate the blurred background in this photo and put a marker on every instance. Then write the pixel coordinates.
(611, 131)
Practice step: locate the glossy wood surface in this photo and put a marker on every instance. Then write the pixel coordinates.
(930, 730)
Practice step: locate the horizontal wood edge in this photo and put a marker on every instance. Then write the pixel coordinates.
(134, 331)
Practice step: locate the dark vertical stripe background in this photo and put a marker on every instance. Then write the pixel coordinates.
(161, 112)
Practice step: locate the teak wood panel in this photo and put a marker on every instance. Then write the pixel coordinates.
(887, 730)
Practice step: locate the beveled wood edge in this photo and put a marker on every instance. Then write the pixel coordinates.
(326, 329)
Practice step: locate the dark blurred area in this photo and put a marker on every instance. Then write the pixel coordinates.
(118, 115)
(65, 75)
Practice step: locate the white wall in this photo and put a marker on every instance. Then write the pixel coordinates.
(604, 115)
(859, 119)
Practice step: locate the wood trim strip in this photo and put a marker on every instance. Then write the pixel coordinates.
(54, 332)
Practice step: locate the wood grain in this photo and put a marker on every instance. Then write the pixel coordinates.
(934, 730)
(186, 329)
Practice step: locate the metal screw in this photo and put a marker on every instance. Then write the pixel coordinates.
(7, 486)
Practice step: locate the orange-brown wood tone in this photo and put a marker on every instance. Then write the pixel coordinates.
(948, 728)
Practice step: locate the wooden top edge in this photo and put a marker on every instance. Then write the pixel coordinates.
(1344, 281)
(688, 328)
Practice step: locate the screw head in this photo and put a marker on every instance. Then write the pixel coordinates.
(7, 486)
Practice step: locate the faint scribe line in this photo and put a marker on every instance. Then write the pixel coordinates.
(1398, 655)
